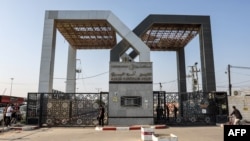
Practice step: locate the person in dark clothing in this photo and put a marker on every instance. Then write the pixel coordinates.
(159, 112)
(175, 111)
(167, 109)
(237, 116)
(101, 115)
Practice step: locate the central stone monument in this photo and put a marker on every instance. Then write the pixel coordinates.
(130, 93)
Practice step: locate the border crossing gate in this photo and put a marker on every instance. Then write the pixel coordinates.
(65, 109)
(170, 108)
(194, 108)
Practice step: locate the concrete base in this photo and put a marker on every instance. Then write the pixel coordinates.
(164, 137)
(146, 133)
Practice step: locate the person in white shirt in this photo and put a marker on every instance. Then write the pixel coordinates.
(8, 115)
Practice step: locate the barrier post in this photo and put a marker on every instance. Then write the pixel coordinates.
(146, 133)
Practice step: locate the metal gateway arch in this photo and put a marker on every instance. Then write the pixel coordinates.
(130, 97)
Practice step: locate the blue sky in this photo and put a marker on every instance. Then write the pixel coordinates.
(21, 30)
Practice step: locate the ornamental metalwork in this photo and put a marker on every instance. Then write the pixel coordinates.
(194, 108)
(81, 109)
(65, 109)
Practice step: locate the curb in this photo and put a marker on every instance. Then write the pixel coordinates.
(135, 127)
(24, 128)
(4, 129)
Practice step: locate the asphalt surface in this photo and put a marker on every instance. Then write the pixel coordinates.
(210, 133)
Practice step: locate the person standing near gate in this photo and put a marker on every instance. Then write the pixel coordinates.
(175, 111)
(101, 115)
(167, 111)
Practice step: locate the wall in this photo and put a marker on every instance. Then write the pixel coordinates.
(242, 103)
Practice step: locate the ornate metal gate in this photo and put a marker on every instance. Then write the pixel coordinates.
(65, 109)
(81, 109)
(197, 108)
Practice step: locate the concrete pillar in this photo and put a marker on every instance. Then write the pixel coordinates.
(181, 70)
(47, 56)
(207, 58)
(71, 71)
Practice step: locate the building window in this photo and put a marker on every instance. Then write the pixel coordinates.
(131, 101)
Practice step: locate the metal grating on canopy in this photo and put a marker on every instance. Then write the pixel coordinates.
(87, 34)
(99, 34)
(171, 37)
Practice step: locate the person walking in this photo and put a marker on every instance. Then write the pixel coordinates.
(237, 115)
(9, 112)
(101, 115)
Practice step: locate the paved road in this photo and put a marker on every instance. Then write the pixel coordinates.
(214, 133)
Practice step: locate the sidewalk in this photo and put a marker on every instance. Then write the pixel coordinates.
(204, 133)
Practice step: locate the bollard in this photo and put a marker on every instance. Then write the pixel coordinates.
(146, 133)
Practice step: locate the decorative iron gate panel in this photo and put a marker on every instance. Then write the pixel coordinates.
(191, 108)
(66, 109)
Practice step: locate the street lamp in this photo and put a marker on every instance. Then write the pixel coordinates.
(196, 72)
(11, 85)
(194, 75)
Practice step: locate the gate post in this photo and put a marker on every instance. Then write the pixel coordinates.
(100, 102)
(41, 110)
